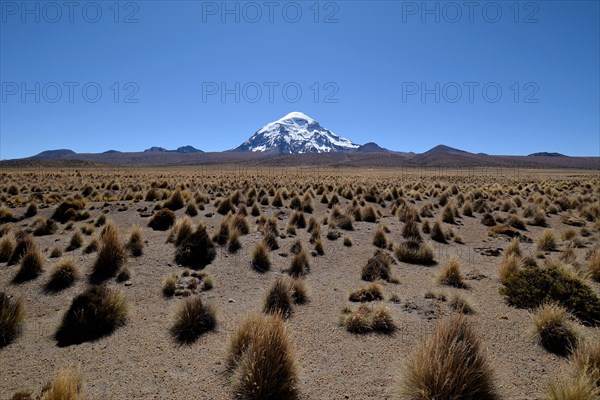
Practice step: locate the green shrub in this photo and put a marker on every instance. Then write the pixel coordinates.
(532, 287)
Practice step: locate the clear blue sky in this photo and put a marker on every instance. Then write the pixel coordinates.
(373, 57)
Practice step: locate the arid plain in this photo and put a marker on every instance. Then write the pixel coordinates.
(223, 283)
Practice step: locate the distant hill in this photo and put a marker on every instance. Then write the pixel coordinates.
(155, 148)
(443, 149)
(188, 149)
(546, 154)
(182, 150)
(53, 154)
(371, 147)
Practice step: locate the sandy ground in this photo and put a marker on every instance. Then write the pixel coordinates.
(142, 361)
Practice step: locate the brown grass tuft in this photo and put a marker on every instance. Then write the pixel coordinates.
(135, 243)
(555, 329)
(67, 385)
(299, 265)
(63, 275)
(260, 257)
(262, 360)
(546, 242)
(451, 274)
(7, 246)
(32, 264)
(12, 314)
(371, 292)
(111, 255)
(278, 299)
(192, 319)
(415, 252)
(449, 364)
(94, 313)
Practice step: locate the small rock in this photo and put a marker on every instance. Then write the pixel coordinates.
(231, 300)
(128, 283)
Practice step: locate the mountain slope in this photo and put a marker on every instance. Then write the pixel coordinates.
(295, 133)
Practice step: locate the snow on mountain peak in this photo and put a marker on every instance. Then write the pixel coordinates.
(295, 133)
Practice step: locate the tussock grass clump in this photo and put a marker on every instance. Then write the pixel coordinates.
(448, 214)
(555, 330)
(371, 292)
(270, 239)
(12, 314)
(192, 319)
(367, 319)
(44, 227)
(191, 209)
(299, 265)
(262, 360)
(260, 257)
(67, 210)
(196, 250)
(221, 236)
(75, 242)
(32, 210)
(7, 246)
(437, 232)
(225, 206)
(415, 252)
(377, 267)
(68, 385)
(63, 275)
(162, 220)
(546, 242)
(135, 243)
(101, 220)
(175, 201)
(234, 241)
(461, 303)
(451, 274)
(24, 241)
(509, 265)
(240, 223)
(91, 247)
(513, 248)
(347, 241)
(368, 214)
(488, 219)
(379, 239)
(299, 292)
(580, 387)
(344, 221)
(449, 364)
(532, 287)
(297, 219)
(111, 255)
(278, 298)
(94, 313)
(32, 264)
(411, 229)
(586, 360)
(593, 265)
(170, 285)
(55, 252)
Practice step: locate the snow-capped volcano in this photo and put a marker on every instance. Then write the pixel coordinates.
(295, 133)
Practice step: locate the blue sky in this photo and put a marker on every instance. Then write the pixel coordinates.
(503, 77)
